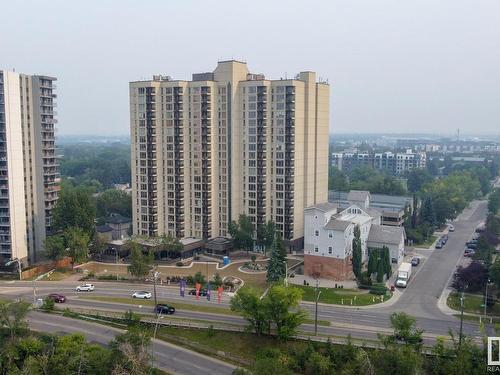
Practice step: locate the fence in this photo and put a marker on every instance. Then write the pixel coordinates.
(46, 267)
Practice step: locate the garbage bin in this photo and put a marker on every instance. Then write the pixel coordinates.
(226, 260)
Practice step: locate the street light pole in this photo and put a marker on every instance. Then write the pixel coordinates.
(486, 299)
(461, 319)
(318, 292)
(154, 287)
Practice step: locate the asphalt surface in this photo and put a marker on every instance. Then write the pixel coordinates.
(172, 358)
(419, 299)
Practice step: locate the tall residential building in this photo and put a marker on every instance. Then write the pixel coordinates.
(226, 143)
(29, 173)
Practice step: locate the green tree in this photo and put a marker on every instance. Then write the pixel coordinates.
(77, 245)
(276, 269)
(405, 330)
(281, 306)
(494, 201)
(427, 213)
(55, 247)
(242, 232)
(337, 180)
(114, 201)
(249, 304)
(12, 317)
(380, 271)
(318, 364)
(217, 281)
(199, 278)
(356, 252)
(74, 209)
(140, 264)
(418, 178)
(130, 352)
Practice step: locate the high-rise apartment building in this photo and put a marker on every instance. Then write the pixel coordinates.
(29, 173)
(226, 143)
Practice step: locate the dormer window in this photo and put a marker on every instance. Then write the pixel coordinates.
(330, 235)
(316, 233)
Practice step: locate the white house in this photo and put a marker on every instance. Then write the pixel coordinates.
(329, 232)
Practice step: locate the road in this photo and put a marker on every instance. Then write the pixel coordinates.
(419, 299)
(171, 358)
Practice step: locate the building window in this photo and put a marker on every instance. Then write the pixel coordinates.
(316, 248)
(330, 250)
(316, 233)
(330, 235)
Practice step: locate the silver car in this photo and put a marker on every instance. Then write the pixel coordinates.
(85, 288)
(142, 295)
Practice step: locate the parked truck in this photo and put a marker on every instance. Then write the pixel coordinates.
(404, 274)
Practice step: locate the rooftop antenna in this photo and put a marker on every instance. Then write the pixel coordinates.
(458, 135)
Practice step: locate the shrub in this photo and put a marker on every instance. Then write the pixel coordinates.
(378, 289)
(48, 304)
(179, 264)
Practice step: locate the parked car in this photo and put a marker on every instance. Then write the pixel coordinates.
(57, 298)
(480, 229)
(165, 309)
(415, 261)
(142, 294)
(439, 245)
(444, 239)
(471, 242)
(468, 253)
(451, 228)
(203, 292)
(472, 246)
(85, 288)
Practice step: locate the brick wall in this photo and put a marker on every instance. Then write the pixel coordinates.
(328, 268)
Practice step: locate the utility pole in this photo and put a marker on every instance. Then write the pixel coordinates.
(461, 319)
(486, 299)
(318, 292)
(154, 288)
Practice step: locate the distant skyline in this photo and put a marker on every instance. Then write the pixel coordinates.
(394, 66)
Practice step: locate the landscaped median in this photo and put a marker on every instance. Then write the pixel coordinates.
(345, 297)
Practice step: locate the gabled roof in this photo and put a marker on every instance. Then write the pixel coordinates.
(358, 195)
(103, 228)
(385, 234)
(118, 219)
(325, 207)
(335, 224)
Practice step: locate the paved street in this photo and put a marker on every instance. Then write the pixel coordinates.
(419, 299)
(171, 358)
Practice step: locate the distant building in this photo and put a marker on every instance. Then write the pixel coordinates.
(392, 209)
(29, 169)
(329, 232)
(393, 163)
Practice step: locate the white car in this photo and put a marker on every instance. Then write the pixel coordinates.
(85, 288)
(142, 294)
(451, 228)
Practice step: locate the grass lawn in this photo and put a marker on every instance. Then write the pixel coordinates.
(178, 305)
(472, 304)
(243, 345)
(337, 296)
(427, 243)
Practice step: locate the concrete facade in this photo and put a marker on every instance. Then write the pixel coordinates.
(29, 176)
(226, 143)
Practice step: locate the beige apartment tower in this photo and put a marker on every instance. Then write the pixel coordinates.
(226, 143)
(29, 172)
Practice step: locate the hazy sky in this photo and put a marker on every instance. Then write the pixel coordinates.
(394, 66)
